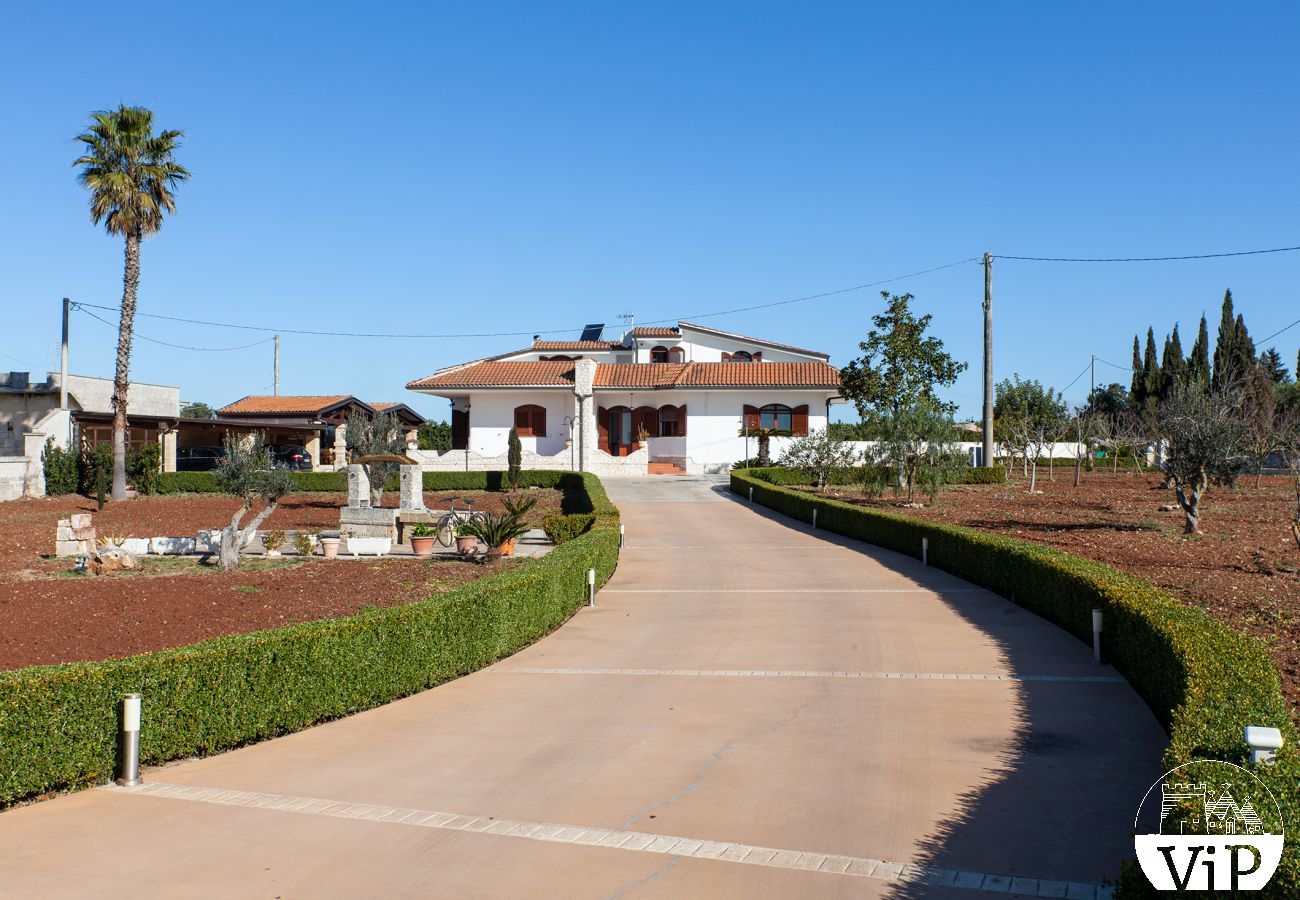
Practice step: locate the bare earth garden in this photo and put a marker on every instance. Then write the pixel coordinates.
(1244, 569)
(49, 615)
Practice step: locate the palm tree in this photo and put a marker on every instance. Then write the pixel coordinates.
(130, 173)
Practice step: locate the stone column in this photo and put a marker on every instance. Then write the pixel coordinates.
(169, 450)
(358, 488)
(412, 488)
(584, 377)
(312, 446)
(340, 448)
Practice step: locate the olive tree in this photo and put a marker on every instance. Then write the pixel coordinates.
(379, 435)
(1205, 443)
(1029, 414)
(246, 473)
(819, 454)
(917, 437)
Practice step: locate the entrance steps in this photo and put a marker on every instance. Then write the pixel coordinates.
(664, 468)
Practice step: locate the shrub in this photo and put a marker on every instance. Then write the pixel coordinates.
(560, 529)
(1203, 680)
(874, 474)
(58, 724)
(61, 469)
(95, 464)
(304, 542)
(142, 468)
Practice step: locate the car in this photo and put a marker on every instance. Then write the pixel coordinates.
(198, 459)
(290, 456)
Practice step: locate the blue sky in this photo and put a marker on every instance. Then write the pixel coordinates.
(532, 167)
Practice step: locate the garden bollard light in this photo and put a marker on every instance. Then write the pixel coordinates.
(1264, 744)
(129, 743)
(622, 536)
(814, 518)
(925, 551)
(591, 587)
(751, 493)
(1096, 636)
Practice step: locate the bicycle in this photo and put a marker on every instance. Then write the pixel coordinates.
(448, 522)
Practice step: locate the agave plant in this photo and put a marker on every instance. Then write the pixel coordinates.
(519, 507)
(495, 530)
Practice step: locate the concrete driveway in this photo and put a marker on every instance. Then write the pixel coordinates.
(752, 709)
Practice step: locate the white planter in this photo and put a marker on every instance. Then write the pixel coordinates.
(369, 546)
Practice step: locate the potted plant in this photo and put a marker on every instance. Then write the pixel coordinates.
(272, 541)
(304, 542)
(422, 538)
(466, 539)
(498, 531)
(330, 546)
(517, 507)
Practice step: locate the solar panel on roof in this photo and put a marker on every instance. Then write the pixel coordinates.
(592, 332)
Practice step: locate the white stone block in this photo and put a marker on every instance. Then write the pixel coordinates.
(208, 540)
(163, 546)
(80, 520)
(136, 546)
(369, 546)
(70, 548)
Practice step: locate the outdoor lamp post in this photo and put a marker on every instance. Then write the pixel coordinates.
(568, 441)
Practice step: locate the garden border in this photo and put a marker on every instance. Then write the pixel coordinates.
(1203, 680)
(59, 724)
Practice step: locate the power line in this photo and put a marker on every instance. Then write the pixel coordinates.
(529, 332)
(81, 308)
(1077, 377)
(1113, 366)
(1276, 333)
(1124, 259)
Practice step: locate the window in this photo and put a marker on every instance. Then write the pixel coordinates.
(741, 356)
(659, 355)
(776, 416)
(530, 420)
(668, 423)
(675, 355)
(560, 357)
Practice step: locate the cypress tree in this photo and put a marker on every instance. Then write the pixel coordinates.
(1198, 364)
(1135, 386)
(1150, 373)
(1223, 349)
(1173, 368)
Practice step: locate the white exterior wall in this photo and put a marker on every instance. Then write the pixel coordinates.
(96, 395)
(707, 348)
(492, 415)
(713, 438)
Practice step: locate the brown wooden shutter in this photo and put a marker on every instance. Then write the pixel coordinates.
(681, 420)
(459, 429)
(522, 423)
(646, 417)
(799, 419)
(757, 357)
(726, 357)
(750, 419)
(602, 428)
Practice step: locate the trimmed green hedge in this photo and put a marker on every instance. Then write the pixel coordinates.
(783, 475)
(1203, 680)
(58, 724)
(561, 529)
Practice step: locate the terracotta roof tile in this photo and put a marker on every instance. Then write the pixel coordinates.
(655, 331)
(304, 405)
(578, 345)
(500, 374)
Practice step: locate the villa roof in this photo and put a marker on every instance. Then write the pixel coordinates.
(816, 375)
(283, 405)
(578, 345)
(743, 337)
(649, 331)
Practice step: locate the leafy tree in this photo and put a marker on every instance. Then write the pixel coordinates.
(434, 436)
(1204, 445)
(514, 458)
(918, 439)
(819, 454)
(379, 435)
(1031, 413)
(246, 473)
(130, 172)
(1271, 361)
(198, 411)
(1084, 422)
(142, 467)
(899, 364)
(850, 431)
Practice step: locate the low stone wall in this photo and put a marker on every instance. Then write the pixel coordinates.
(13, 476)
(602, 464)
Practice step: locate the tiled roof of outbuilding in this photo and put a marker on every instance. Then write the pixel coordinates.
(285, 405)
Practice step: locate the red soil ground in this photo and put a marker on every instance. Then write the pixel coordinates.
(1244, 569)
(50, 616)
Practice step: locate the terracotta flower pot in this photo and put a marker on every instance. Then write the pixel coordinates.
(465, 546)
(330, 547)
(508, 548)
(422, 545)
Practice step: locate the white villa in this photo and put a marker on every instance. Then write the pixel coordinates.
(657, 401)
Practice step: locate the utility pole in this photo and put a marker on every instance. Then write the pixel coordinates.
(988, 360)
(1093, 389)
(276, 380)
(63, 359)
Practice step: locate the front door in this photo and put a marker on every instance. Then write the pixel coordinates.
(620, 432)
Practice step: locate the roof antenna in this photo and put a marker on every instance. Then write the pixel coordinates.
(629, 318)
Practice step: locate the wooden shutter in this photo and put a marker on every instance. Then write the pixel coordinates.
(681, 420)
(750, 419)
(757, 357)
(646, 417)
(530, 420)
(726, 357)
(799, 419)
(459, 429)
(602, 428)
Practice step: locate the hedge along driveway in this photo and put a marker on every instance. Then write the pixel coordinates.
(1203, 680)
(59, 724)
